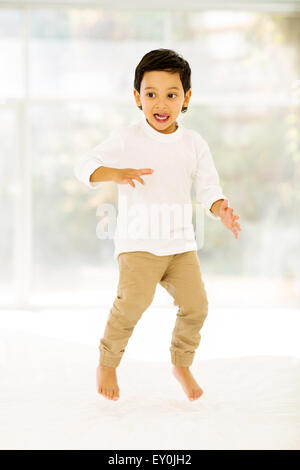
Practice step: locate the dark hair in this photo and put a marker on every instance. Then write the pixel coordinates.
(164, 59)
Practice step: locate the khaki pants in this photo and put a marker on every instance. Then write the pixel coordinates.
(139, 273)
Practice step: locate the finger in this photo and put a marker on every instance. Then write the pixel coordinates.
(140, 180)
(230, 221)
(132, 171)
(145, 171)
(131, 183)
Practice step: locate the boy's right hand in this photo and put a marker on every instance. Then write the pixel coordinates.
(127, 175)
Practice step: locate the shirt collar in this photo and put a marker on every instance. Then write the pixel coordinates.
(159, 136)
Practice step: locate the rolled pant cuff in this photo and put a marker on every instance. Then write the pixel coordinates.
(108, 361)
(181, 360)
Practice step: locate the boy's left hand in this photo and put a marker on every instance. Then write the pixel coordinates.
(228, 219)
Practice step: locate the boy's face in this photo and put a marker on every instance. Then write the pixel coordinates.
(162, 93)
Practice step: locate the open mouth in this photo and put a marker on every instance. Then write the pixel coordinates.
(161, 117)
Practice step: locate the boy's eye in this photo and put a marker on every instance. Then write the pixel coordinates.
(151, 93)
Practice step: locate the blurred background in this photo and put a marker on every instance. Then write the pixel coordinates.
(66, 81)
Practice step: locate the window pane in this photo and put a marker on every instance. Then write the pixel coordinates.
(87, 53)
(236, 56)
(11, 54)
(256, 151)
(68, 255)
(7, 202)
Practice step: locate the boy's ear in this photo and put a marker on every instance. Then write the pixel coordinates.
(187, 97)
(137, 97)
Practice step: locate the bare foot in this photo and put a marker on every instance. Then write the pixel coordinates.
(107, 384)
(189, 384)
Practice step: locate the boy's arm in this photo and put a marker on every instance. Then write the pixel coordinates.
(107, 154)
(209, 191)
(215, 208)
(104, 163)
(103, 173)
(207, 185)
(120, 175)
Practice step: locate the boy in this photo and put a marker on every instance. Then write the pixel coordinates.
(165, 159)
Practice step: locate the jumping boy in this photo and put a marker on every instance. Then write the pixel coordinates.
(171, 158)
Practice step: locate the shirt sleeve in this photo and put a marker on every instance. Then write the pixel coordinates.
(108, 153)
(206, 178)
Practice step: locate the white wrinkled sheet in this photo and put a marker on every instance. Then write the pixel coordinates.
(49, 401)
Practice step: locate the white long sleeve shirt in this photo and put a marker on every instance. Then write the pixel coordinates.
(146, 219)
